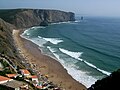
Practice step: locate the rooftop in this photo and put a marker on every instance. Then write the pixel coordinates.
(25, 71)
(2, 78)
(11, 75)
(34, 76)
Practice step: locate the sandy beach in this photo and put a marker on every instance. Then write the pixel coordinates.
(46, 65)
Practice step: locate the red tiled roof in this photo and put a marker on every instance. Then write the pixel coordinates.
(34, 76)
(39, 87)
(11, 75)
(2, 78)
(25, 71)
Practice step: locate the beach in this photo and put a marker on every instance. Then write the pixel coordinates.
(45, 64)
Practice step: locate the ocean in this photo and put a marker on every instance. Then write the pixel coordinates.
(88, 49)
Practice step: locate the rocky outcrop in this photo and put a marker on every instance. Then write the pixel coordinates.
(24, 18)
(111, 82)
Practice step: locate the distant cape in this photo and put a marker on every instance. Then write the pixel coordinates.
(24, 18)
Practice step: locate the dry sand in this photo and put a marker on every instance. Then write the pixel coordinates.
(46, 65)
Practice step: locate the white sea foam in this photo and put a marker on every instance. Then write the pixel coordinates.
(27, 30)
(36, 27)
(40, 37)
(93, 66)
(77, 55)
(61, 22)
(77, 21)
(51, 49)
(53, 40)
(103, 71)
(81, 76)
(38, 41)
(78, 75)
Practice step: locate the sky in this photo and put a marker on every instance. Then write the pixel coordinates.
(82, 7)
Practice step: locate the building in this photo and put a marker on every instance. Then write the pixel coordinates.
(10, 84)
(11, 75)
(34, 78)
(25, 72)
(4, 79)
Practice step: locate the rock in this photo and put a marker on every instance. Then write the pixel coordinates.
(25, 18)
(44, 23)
(111, 82)
(6, 41)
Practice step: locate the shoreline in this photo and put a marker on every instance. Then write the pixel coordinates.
(45, 64)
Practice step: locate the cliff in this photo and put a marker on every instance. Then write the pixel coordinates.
(24, 18)
(111, 82)
(7, 46)
(6, 40)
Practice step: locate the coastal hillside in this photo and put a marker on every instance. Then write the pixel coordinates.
(24, 18)
(7, 46)
(111, 82)
(6, 40)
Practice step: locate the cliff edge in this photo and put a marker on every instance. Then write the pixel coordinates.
(111, 82)
(24, 18)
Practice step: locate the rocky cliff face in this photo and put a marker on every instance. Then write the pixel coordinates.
(7, 46)
(6, 40)
(111, 82)
(24, 18)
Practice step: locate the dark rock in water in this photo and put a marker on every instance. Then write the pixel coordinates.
(111, 82)
(44, 23)
(25, 18)
(82, 18)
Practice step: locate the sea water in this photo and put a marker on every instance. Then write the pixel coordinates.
(88, 49)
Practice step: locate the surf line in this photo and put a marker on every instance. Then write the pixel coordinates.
(76, 55)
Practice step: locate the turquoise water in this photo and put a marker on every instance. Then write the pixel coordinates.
(88, 49)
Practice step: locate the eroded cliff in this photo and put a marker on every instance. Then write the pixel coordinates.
(24, 18)
(6, 40)
(111, 82)
(7, 46)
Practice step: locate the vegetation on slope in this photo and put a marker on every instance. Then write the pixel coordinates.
(25, 18)
(7, 46)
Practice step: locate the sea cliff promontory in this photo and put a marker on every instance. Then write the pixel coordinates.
(111, 82)
(24, 18)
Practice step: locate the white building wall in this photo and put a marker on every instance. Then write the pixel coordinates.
(17, 88)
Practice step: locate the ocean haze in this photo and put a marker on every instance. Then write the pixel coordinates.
(83, 7)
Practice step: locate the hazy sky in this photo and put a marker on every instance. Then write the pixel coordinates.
(83, 7)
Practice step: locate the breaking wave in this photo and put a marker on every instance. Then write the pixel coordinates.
(78, 75)
(52, 40)
(77, 55)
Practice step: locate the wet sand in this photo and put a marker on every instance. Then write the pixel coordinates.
(45, 64)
